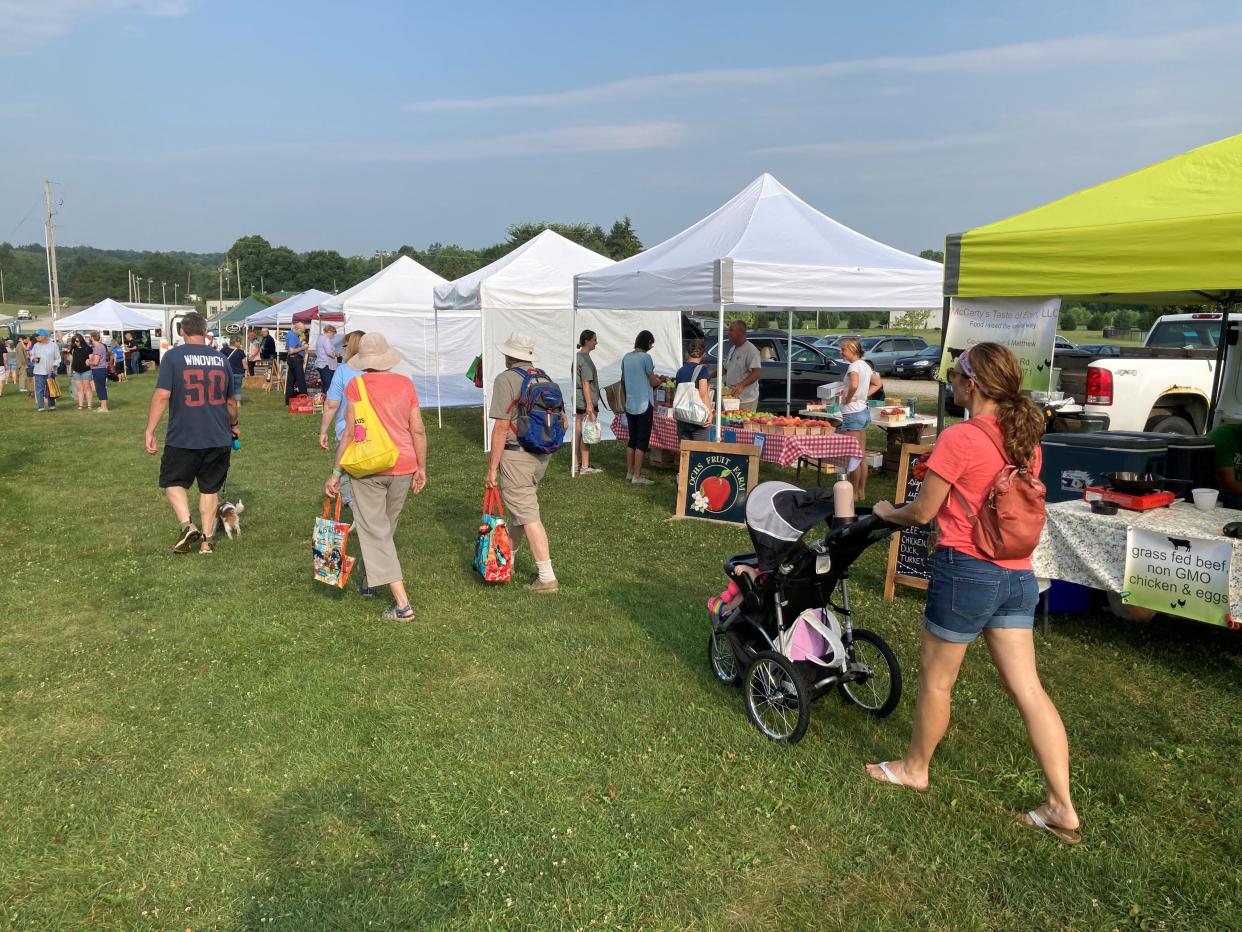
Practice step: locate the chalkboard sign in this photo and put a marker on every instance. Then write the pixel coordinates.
(714, 480)
(910, 549)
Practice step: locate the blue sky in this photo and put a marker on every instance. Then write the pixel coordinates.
(183, 124)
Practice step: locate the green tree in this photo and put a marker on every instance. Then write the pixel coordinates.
(251, 252)
(99, 280)
(282, 270)
(323, 269)
(584, 234)
(1099, 320)
(621, 241)
(1071, 318)
(934, 254)
(858, 320)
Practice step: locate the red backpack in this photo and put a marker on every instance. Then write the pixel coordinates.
(1013, 513)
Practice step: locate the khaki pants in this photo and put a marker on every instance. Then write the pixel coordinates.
(377, 505)
(749, 405)
(21, 378)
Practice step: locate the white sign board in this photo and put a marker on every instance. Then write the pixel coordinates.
(1028, 326)
(1184, 576)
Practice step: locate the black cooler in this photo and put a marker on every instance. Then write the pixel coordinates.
(1192, 459)
(1073, 461)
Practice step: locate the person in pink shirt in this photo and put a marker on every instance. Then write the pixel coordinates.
(379, 498)
(970, 594)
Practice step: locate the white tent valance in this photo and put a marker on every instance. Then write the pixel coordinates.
(109, 315)
(766, 248)
(401, 288)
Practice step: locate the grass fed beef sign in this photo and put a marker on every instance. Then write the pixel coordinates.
(1028, 326)
(1183, 576)
(714, 480)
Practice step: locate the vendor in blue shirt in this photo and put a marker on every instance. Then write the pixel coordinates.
(295, 352)
(638, 373)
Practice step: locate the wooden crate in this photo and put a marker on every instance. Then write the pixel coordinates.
(663, 459)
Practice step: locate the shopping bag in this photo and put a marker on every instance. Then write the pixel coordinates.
(493, 555)
(590, 431)
(331, 564)
(53, 387)
(475, 372)
(372, 450)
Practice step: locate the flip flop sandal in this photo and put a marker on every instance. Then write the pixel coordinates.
(891, 777)
(1033, 820)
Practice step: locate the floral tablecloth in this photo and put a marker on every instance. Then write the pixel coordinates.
(784, 451)
(1082, 547)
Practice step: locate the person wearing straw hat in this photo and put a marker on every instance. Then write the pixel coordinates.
(515, 471)
(379, 498)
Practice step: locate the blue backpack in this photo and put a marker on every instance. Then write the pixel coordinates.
(540, 422)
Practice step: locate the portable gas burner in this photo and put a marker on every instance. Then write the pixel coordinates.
(1129, 501)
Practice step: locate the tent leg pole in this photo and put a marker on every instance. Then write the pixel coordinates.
(720, 361)
(439, 407)
(789, 368)
(573, 394)
(940, 385)
(1218, 377)
(487, 434)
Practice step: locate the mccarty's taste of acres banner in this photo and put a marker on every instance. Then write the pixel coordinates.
(1028, 326)
(1184, 576)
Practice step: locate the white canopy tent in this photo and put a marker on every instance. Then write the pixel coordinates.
(281, 314)
(530, 290)
(765, 248)
(109, 315)
(397, 302)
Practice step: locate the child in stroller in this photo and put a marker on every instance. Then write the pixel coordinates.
(783, 637)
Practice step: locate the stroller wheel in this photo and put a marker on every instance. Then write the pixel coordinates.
(874, 680)
(777, 700)
(720, 656)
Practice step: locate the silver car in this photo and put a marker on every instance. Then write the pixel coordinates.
(882, 353)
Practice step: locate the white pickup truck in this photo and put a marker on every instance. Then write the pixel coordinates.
(1166, 385)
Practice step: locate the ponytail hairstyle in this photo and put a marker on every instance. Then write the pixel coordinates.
(997, 375)
(584, 336)
(853, 345)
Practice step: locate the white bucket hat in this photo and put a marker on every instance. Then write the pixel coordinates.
(519, 346)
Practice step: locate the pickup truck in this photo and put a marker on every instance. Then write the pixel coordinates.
(1165, 385)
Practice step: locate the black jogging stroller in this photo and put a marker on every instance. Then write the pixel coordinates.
(791, 641)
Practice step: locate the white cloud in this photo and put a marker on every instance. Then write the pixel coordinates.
(1086, 50)
(29, 23)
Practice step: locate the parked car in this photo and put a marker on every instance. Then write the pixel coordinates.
(1100, 349)
(810, 368)
(831, 350)
(1064, 344)
(834, 339)
(24, 314)
(922, 365)
(882, 353)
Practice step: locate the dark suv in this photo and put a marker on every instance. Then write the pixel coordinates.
(810, 368)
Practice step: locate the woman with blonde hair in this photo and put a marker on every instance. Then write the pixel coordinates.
(971, 594)
(861, 383)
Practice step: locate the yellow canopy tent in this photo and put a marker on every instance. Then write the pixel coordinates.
(1168, 233)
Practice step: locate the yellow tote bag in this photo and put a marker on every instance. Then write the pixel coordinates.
(372, 449)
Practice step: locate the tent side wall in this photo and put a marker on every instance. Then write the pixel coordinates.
(414, 336)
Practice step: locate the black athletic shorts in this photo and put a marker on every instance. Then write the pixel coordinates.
(182, 467)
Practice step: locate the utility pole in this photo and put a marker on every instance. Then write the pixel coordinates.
(220, 275)
(2, 301)
(381, 254)
(150, 282)
(238, 262)
(53, 277)
(164, 293)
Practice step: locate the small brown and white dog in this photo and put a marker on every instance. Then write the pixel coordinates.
(229, 516)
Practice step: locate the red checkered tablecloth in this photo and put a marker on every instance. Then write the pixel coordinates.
(784, 451)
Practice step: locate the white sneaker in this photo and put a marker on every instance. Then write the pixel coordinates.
(628, 477)
(642, 481)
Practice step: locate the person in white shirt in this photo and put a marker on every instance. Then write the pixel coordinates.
(860, 384)
(45, 355)
(325, 357)
(743, 367)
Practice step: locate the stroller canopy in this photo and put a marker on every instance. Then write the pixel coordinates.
(778, 514)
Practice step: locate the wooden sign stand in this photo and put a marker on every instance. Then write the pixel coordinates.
(906, 486)
(701, 460)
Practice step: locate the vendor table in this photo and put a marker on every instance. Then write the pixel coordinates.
(785, 451)
(1082, 547)
(918, 429)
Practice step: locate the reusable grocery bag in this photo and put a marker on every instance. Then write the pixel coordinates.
(371, 450)
(590, 431)
(493, 556)
(330, 563)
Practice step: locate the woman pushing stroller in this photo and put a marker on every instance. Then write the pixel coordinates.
(971, 593)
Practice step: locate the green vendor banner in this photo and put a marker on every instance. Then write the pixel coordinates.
(1183, 576)
(1028, 326)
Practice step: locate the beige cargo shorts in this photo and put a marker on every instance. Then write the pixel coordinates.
(518, 478)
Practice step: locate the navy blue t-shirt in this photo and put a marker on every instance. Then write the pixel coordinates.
(201, 384)
(686, 372)
(237, 360)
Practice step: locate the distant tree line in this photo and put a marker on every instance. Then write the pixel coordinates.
(88, 274)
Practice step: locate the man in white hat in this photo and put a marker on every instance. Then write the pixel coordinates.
(517, 471)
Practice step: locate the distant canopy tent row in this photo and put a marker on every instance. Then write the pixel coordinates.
(397, 302)
(108, 315)
(282, 314)
(237, 315)
(1168, 233)
(764, 249)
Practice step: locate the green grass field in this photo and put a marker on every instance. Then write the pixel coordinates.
(220, 743)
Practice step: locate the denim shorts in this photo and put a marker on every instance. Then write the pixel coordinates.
(81, 376)
(856, 420)
(967, 595)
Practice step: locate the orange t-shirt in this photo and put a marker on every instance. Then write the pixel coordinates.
(392, 396)
(965, 458)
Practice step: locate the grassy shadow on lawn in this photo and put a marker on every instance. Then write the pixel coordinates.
(214, 742)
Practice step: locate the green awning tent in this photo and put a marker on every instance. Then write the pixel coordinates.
(251, 305)
(1168, 233)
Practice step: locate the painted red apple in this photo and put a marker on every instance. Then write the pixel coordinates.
(717, 490)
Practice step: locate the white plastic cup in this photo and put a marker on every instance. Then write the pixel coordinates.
(1205, 499)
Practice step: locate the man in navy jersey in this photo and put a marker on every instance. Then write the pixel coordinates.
(195, 387)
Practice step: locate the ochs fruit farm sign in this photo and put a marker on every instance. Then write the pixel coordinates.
(714, 480)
